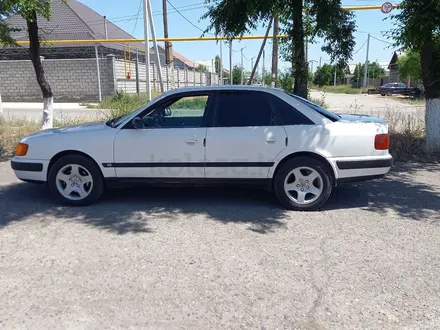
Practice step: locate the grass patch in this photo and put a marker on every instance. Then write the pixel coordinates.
(340, 89)
(11, 131)
(416, 101)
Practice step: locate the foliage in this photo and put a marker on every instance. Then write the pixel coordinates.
(217, 63)
(237, 73)
(417, 29)
(374, 71)
(409, 66)
(202, 68)
(234, 18)
(325, 74)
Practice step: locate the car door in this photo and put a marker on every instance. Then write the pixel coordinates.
(245, 138)
(170, 143)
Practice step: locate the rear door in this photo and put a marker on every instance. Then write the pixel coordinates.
(246, 137)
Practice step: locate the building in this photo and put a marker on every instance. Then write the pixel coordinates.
(71, 68)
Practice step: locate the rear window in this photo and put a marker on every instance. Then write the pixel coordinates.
(327, 114)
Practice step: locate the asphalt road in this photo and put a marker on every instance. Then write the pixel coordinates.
(223, 258)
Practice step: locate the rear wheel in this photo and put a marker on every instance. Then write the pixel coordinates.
(303, 184)
(76, 180)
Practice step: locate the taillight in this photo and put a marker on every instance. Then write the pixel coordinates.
(382, 142)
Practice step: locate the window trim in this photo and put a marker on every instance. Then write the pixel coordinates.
(207, 116)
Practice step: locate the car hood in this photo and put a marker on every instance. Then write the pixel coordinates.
(362, 118)
(87, 127)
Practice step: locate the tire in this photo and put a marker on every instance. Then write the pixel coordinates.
(315, 193)
(389, 93)
(79, 178)
(383, 94)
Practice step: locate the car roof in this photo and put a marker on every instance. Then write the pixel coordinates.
(223, 88)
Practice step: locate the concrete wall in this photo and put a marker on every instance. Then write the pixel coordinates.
(70, 80)
(76, 79)
(182, 77)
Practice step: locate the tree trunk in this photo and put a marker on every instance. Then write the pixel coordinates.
(300, 75)
(432, 90)
(34, 50)
(276, 30)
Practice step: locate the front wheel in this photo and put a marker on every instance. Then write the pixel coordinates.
(303, 184)
(76, 180)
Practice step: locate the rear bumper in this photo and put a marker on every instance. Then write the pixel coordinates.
(30, 170)
(355, 169)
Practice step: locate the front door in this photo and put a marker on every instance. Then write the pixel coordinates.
(245, 139)
(169, 145)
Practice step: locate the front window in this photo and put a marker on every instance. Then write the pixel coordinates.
(186, 111)
(328, 114)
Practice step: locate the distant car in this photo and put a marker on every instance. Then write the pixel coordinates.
(399, 89)
(211, 135)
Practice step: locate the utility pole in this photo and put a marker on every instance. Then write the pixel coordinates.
(254, 68)
(334, 80)
(264, 68)
(105, 27)
(168, 46)
(242, 68)
(221, 62)
(320, 61)
(275, 51)
(366, 63)
(147, 52)
(156, 48)
(231, 80)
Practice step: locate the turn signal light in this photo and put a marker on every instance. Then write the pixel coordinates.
(382, 142)
(22, 149)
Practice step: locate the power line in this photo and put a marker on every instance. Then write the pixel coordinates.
(137, 16)
(387, 42)
(360, 48)
(183, 16)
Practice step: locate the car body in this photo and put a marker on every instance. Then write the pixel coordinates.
(398, 89)
(207, 135)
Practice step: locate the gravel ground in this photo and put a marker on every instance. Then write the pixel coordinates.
(223, 258)
(364, 103)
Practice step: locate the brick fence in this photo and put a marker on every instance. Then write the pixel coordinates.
(76, 79)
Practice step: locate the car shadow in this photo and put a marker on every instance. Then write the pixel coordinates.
(125, 211)
(128, 210)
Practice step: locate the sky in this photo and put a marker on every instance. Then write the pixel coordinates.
(128, 16)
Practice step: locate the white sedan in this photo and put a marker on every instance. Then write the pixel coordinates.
(211, 135)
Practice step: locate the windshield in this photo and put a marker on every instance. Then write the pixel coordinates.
(115, 122)
(329, 115)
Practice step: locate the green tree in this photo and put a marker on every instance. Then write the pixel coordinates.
(237, 72)
(202, 68)
(374, 71)
(324, 75)
(417, 29)
(217, 63)
(409, 66)
(30, 10)
(234, 18)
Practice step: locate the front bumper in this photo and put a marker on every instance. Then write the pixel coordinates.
(33, 170)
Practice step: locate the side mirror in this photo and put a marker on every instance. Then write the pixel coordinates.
(137, 123)
(167, 112)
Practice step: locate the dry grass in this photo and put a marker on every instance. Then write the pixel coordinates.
(11, 131)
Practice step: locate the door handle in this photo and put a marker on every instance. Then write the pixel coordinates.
(270, 137)
(191, 141)
(271, 140)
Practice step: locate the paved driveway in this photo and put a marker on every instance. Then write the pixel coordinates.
(230, 258)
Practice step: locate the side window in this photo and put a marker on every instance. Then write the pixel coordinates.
(287, 114)
(243, 108)
(186, 111)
